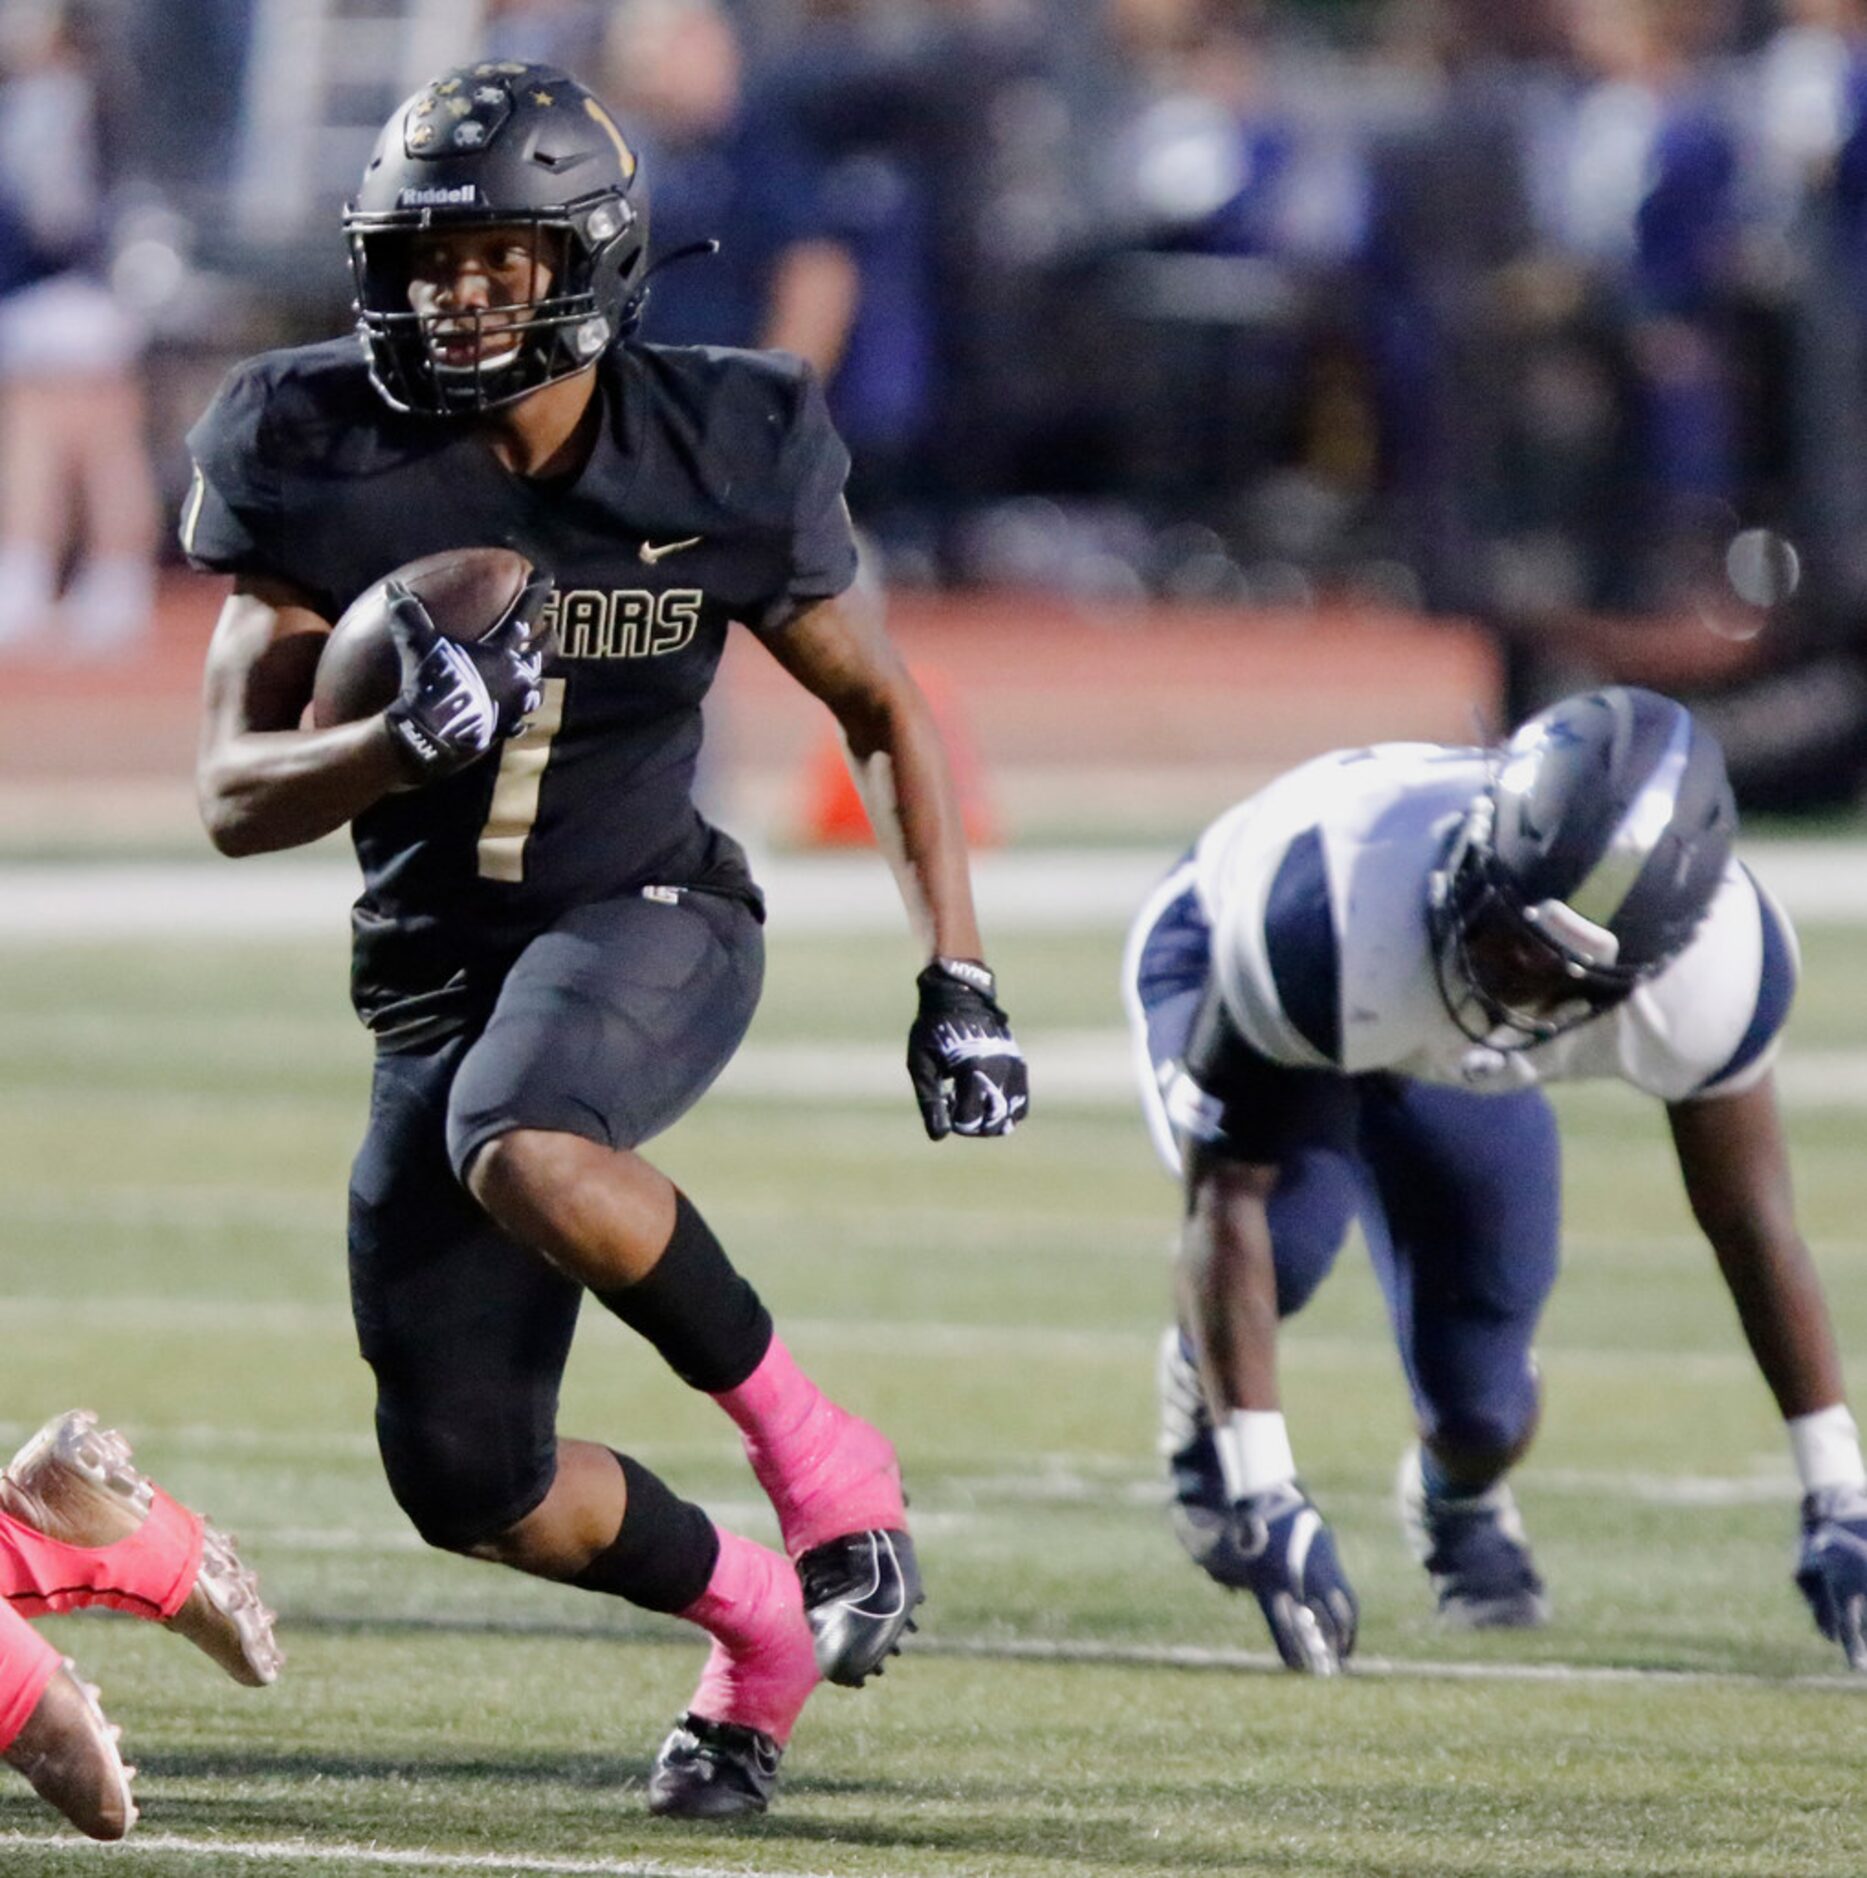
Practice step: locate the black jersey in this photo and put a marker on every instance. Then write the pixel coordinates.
(713, 493)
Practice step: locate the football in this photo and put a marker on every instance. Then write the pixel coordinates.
(466, 592)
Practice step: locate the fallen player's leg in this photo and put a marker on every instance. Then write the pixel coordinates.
(53, 1731)
(80, 1526)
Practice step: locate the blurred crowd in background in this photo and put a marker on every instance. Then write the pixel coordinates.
(1510, 310)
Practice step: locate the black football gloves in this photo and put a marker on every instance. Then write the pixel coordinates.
(459, 698)
(968, 1072)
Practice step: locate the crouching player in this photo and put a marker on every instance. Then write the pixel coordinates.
(1346, 1000)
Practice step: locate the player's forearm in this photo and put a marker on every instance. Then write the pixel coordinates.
(1735, 1163)
(1227, 1281)
(1779, 1300)
(907, 787)
(266, 790)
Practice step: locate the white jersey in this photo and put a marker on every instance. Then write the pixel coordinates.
(1316, 891)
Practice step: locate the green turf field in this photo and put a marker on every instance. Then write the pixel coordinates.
(175, 1124)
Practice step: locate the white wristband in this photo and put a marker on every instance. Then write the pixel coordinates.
(1827, 1447)
(1254, 1451)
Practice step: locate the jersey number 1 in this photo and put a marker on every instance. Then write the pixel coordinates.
(514, 807)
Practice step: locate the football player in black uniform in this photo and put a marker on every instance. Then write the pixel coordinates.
(556, 952)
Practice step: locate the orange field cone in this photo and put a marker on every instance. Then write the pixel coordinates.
(834, 816)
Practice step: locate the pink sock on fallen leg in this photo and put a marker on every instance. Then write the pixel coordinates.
(27, 1664)
(762, 1667)
(827, 1471)
(149, 1574)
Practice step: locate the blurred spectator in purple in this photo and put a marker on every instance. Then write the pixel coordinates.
(1556, 247)
(1651, 204)
(1201, 162)
(721, 164)
(1809, 157)
(1192, 193)
(1184, 316)
(937, 135)
(75, 481)
(863, 87)
(1806, 92)
(1453, 248)
(1846, 20)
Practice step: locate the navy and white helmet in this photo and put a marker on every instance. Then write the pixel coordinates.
(493, 144)
(1600, 843)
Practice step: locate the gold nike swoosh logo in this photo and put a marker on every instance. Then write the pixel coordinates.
(659, 551)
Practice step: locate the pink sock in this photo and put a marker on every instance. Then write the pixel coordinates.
(27, 1664)
(149, 1574)
(827, 1471)
(762, 1667)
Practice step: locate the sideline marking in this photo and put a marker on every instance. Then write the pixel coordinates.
(307, 896)
(909, 1341)
(264, 1850)
(1088, 1653)
(1196, 1656)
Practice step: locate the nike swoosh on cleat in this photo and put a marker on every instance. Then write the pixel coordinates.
(876, 1582)
(652, 551)
(850, 1603)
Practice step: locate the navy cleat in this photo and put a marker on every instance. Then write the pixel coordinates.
(713, 1770)
(860, 1593)
(1199, 1511)
(1476, 1552)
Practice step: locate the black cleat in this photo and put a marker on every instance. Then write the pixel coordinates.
(859, 1596)
(713, 1770)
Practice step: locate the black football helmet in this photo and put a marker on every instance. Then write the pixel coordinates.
(1597, 849)
(491, 145)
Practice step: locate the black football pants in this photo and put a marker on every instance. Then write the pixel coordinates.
(610, 1025)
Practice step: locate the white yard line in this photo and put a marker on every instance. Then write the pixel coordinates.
(316, 1211)
(1192, 1656)
(1094, 1069)
(1019, 890)
(917, 1340)
(1090, 1070)
(386, 1858)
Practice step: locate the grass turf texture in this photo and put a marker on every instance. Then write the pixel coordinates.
(175, 1126)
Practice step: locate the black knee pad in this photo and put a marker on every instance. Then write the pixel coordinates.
(461, 1479)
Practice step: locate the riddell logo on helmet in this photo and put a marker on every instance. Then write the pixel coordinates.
(466, 195)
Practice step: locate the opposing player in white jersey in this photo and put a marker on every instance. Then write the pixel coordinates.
(1344, 1002)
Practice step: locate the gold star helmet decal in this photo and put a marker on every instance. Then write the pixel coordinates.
(543, 97)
